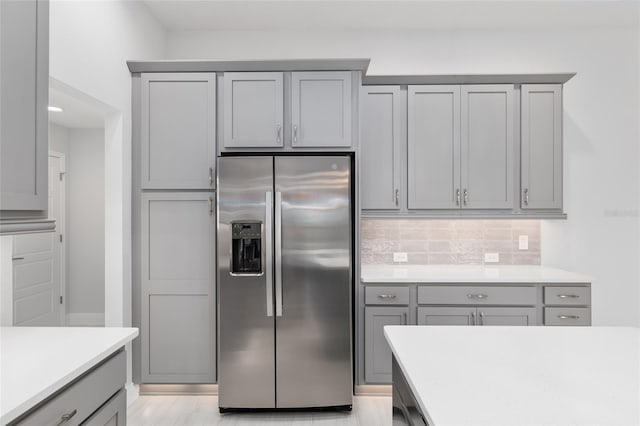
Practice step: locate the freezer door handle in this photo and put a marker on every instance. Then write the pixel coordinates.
(268, 242)
(278, 256)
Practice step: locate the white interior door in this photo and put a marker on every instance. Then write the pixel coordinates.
(38, 263)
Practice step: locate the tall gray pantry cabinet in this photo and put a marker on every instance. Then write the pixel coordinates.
(174, 213)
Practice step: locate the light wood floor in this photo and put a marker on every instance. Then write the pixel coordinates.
(187, 410)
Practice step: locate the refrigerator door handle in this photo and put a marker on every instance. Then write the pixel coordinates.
(268, 242)
(278, 254)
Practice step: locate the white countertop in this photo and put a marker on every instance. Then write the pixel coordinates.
(38, 361)
(467, 274)
(512, 376)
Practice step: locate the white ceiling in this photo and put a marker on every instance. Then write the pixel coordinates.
(178, 15)
(76, 113)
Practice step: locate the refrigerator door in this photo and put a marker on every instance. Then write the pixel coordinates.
(313, 281)
(246, 346)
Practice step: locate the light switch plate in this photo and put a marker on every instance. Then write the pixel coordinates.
(523, 242)
(400, 257)
(492, 257)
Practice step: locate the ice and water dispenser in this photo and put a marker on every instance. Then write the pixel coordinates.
(246, 256)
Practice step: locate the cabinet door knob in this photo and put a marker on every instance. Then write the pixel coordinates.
(210, 176)
(458, 197)
(526, 196)
(473, 318)
(210, 206)
(278, 133)
(465, 197)
(481, 318)
(397, 196)
(295, 134)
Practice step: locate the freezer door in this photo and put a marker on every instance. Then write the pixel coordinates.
(246, 347)
(313, 281)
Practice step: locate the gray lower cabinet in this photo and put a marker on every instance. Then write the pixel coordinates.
(253, 109)
(24, 55)
(97, 398)
(541, 141)
(178, 287)
(471, 315)
(377, 352)
(321, 109)
(460, 147)
(380, 147)
(177, 130)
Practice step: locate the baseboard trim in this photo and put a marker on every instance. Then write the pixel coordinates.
(85, 320)
(373, 390)
(178, 389)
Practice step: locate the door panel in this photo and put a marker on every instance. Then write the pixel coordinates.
(380, 148)
(246, 345)
(506, 316)
(313, 335)
(377, 363)
(178, 130)
(321, 109)
(178, 281)
(36, 285)
(487, 146)
(446, 316)
(253, 109)
(433, 147)
(541, 146)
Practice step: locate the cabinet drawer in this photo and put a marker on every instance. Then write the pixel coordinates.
(567, 316)
(391, 295)
(476, 295)
(84, 396)
(567, 296)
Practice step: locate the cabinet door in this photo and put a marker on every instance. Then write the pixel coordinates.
(113, 413)
(377, 362)
(447, 315)
(321, 109)
(380, 162)
(178, 258)
(253, 109)
(506, 316)
(487, 146)
(433, 118)
(24, 54)
(541, 154)
(178, 130)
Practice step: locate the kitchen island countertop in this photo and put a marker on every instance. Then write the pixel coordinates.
(468, 274)
(36, 362)
(521, 375)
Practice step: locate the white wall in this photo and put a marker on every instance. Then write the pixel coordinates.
(90, 42)
(601, 110)
(85, 227)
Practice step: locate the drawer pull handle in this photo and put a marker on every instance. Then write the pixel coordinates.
(387, 296)
(568, 296)
(66, 417)
(573, 317)
(17, 258)
(473, 318)
(477, 296)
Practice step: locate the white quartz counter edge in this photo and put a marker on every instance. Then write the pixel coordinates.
(36, 362)
(468, 274)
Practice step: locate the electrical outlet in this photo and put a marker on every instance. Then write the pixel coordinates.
(400, 257)
(523, 242)
(492, 257)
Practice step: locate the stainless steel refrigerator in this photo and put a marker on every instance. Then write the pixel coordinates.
(284, 282)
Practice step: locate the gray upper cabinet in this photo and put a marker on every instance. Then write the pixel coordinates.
(541, 152)
(380, 147)
(433, 136)
(487, 146)
(24, 84)
(253, 109)
(321, 109)
(178, 282)
(178, 131)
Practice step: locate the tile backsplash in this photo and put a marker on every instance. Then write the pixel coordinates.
(448, 242)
